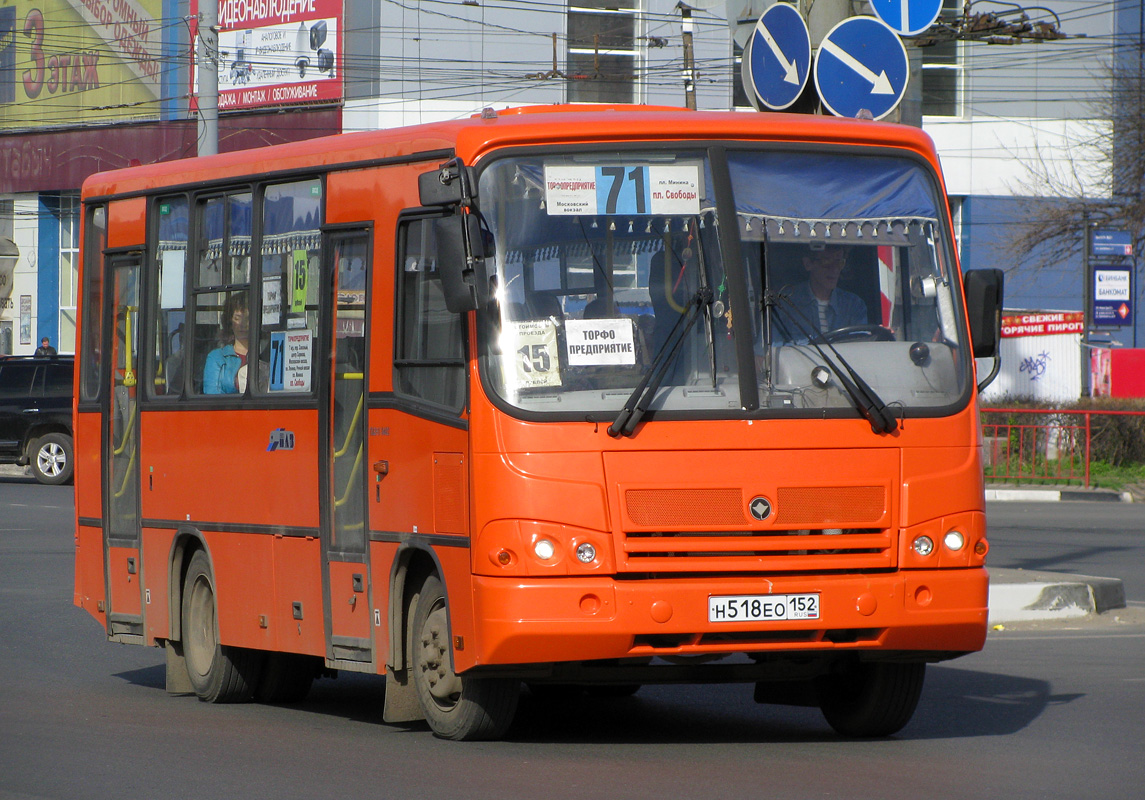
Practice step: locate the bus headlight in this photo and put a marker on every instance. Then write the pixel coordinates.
(923, 545)
(544, 549)
(530, 547)
(954, 540)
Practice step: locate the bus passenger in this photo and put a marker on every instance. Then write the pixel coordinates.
(225, 371)
(818, 301)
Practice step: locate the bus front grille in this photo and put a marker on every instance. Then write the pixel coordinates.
(759, 551)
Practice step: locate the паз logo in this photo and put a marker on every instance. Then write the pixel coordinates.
(281, 439)
(760, 508)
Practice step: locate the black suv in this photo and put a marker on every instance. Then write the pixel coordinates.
(36, 414)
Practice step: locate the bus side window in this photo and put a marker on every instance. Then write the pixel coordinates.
(90, 361)
(290, 259)
(166, 367)
(430, 360)
(221, 296)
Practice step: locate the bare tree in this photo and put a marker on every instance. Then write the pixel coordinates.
(1100, 179)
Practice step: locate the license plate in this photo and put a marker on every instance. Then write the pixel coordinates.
(763, 607)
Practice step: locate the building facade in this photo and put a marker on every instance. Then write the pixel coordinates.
(1025, 129)
(90, 85)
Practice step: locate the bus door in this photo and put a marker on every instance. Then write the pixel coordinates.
(346, 574)
(121, 448)
(419, 433)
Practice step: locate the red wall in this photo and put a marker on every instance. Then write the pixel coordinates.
(1128, 373)
(61, 160)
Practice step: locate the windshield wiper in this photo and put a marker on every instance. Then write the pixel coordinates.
(865, 399)
(641, 397)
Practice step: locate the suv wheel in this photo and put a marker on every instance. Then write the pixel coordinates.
(52, 458)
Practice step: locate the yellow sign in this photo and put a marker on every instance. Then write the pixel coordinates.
(64, 62)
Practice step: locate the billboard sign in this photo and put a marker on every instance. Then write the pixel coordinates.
(64, 62)
(1112, 296)
(1044, 323)
(1111, 243)
(278, 52)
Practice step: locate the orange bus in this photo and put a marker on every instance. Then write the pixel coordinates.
(566, 398)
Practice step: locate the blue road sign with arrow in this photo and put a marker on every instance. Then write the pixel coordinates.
(907, 17)
(861, 64)
(779, 57)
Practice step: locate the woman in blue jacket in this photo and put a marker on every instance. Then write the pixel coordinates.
(225, 371)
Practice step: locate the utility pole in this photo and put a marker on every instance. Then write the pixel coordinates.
(1086, 308)
(689, 57)
(909, 111)
(208, 73)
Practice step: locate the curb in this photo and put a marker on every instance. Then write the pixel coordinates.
(1057, 495)
(1020, 595)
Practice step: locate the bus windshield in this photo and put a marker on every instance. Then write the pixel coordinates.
(597, 257)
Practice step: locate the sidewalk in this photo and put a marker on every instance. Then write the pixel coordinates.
(1054, 494)
(1020, 595)
(1023, 595)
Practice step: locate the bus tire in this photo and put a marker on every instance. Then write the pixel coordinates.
(871, 699)
(285, 678)
(457, 707)
(556, 692)
(219, 673)
(613, 691)
(51, 458)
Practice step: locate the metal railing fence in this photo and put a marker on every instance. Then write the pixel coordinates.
(1041, 446)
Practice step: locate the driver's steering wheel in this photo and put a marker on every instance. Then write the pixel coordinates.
(876, 333)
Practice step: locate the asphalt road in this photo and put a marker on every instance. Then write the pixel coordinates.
(1046, 712)
(1087, 538)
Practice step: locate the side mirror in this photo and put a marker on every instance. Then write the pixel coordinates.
(449, 184)
(984, 309)
(460, 251)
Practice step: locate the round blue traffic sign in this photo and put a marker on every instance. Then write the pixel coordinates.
(779, 57)
(907, 17)
(861, 65)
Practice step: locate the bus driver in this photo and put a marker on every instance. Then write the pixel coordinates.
(818, 302)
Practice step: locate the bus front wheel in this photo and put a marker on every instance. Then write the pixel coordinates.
(871, 699)
(219, 673)
(458, 707)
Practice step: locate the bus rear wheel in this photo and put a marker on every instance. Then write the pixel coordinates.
(457, 707)
(871, 699)
(219, 673)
